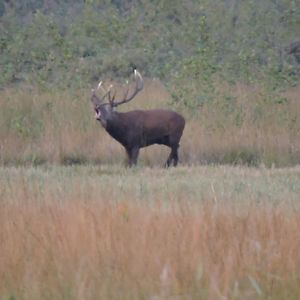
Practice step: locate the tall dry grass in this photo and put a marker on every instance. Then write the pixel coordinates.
(241, 126)
(102, 250)
(186, 233)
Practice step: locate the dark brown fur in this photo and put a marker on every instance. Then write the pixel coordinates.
(137, 129)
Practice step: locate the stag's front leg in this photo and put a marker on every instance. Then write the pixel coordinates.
(132, 154)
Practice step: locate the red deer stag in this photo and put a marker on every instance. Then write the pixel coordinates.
(138, 128)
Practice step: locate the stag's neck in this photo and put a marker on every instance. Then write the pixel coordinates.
(116, 127)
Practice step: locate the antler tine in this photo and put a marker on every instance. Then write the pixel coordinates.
(137, 74)
(97, 100)
(106, 92)
(138, 87)
(102, 88)
(111, 98)
(99, 85)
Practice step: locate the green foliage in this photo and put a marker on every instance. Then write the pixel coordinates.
(247, 44)
(56, 44)
(193, 83)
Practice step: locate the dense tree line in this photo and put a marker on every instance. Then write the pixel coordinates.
(54, 43)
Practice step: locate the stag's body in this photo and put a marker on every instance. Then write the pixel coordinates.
(141, 128)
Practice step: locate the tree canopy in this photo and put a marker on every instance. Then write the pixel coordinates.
(54, 43)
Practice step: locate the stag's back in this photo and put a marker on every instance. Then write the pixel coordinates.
(163, 121)
(153, 126)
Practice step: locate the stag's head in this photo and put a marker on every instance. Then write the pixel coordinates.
(104, 105)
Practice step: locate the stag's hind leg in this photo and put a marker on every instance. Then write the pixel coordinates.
(173, 156)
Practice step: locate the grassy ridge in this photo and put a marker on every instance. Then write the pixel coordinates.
(87, 232)
(242, 125)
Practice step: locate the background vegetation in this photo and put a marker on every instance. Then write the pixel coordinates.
(231, 67)
(52, 42)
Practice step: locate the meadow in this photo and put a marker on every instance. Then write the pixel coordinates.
(77, 224)
(109, 232)
(242, 125)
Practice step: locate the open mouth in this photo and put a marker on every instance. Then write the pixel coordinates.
(97, 114)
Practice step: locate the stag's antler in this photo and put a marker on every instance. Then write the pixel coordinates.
(111, 96)
(106, 92)
(138, 87)
(98, 100)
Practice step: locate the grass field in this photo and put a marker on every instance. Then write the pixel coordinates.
(108, 232)
(76, 224)
(242, 125)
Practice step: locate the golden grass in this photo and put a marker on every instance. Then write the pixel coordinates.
(59, 127)
(147, 233)
(107, 232)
